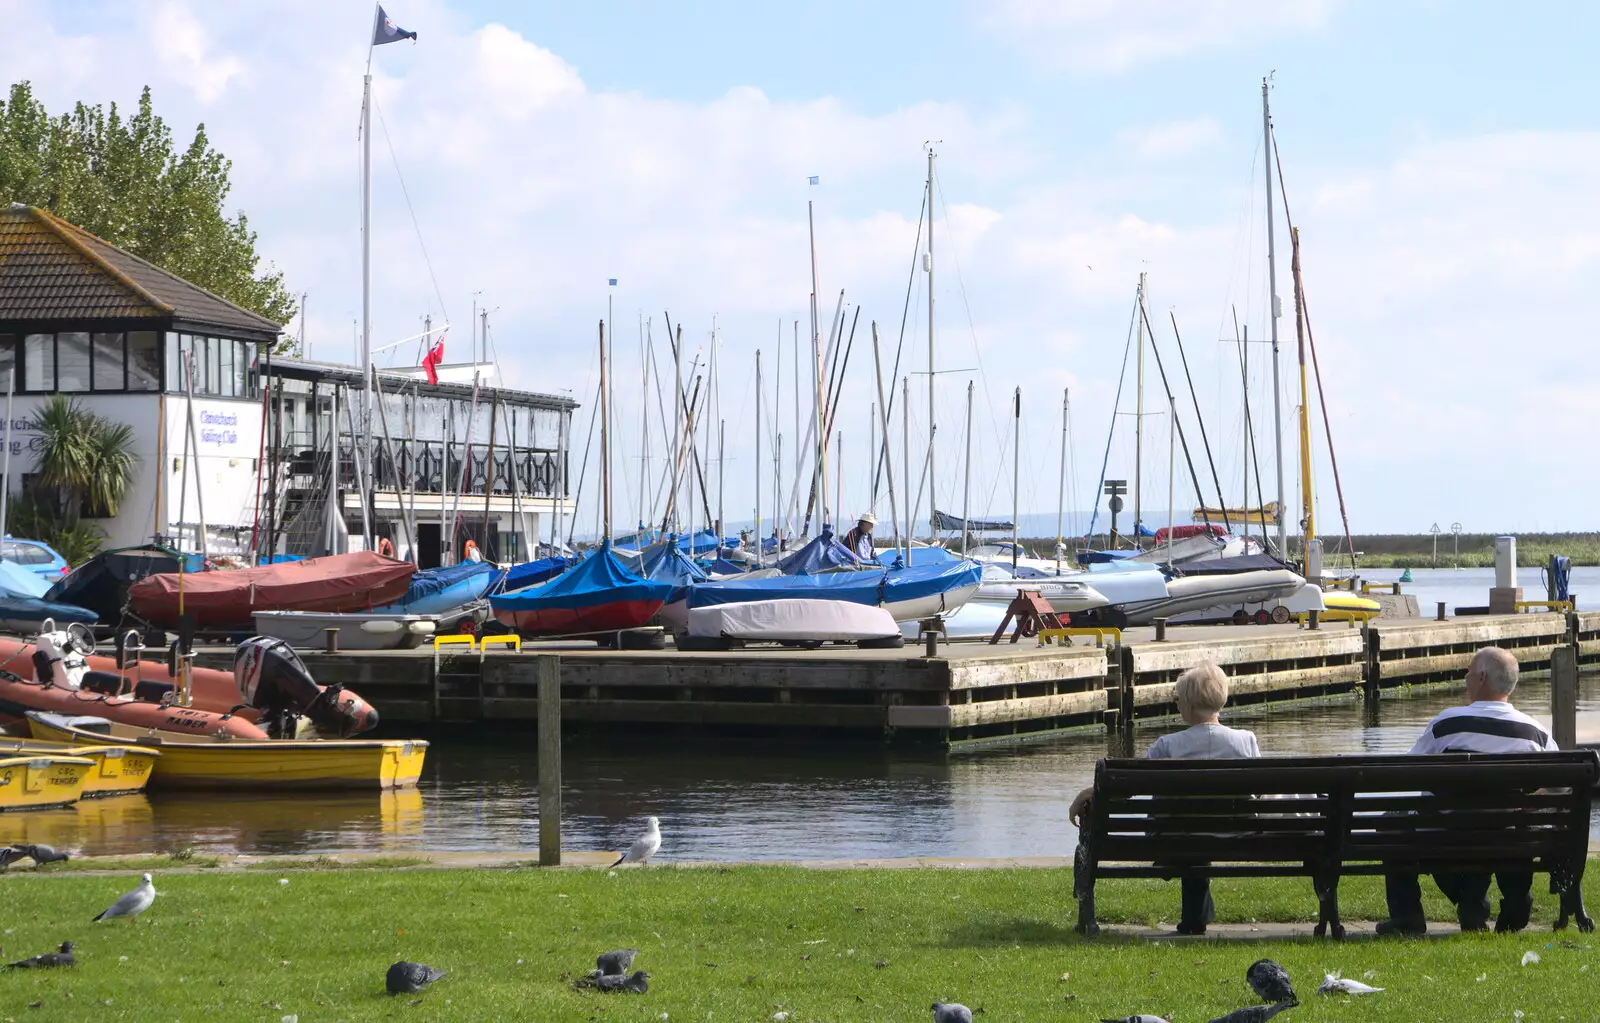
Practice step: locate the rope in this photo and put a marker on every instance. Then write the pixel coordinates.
(437, 293)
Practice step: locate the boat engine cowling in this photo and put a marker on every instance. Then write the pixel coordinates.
(273, 679)
(59, 655)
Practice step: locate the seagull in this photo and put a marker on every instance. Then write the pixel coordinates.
(1271, 981)
(951, 1012)
(1143, 1017)
(1254, 1013)
(63, 957)
(644, 846)
(133, 903)
(615, 964)
(1333, 984)
(409, 978)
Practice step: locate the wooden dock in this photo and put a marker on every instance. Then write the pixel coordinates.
(969, 692)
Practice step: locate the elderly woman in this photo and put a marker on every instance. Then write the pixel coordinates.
(1201, 693)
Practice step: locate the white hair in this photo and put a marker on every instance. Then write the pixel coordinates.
(1499, 669)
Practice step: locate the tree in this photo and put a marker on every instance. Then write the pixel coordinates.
(123, 180)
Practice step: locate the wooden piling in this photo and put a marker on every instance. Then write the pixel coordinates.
(549, 671)
(1564, 696)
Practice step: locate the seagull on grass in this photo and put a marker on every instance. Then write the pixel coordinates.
(60, 957)
(133, 903)
(644, 846)
(409, 978)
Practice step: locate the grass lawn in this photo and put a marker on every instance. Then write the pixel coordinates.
(737, 944)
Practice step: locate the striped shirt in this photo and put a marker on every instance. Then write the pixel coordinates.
(1487, 726)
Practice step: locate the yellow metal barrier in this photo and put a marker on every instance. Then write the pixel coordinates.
(509, 640)
(1100, 634)
(1380, 587)
(1551, 605)
(1334, 615)
(454, 639)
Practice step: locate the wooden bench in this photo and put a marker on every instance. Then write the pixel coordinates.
(1324, 817)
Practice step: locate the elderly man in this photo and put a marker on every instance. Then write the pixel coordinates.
(859, 539)
(1487, 724)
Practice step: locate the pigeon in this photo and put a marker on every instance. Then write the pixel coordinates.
(63, 957)
(1143, 1017)
(409, 978)
(644, 846)
(1333, 984)
(611, 983)
(10, 854)
(951, 1012)
(615, 964)
(133, 903)
(1271, 981)
(1254, 1013)
(45, 854)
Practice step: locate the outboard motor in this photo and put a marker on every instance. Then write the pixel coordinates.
(273, 679)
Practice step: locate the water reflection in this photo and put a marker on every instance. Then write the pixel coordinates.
(722, 799)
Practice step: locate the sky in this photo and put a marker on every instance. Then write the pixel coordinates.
(1441, 162)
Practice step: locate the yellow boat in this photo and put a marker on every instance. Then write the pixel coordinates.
(41, 780)
(1341, 606)
(258, 765)
(118, 770)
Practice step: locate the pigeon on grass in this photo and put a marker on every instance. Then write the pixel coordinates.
(1143, 1017)
(644, 846)
(409, 978)
(1270, 981)
(951, 1012)
(133, 903)
(43, 854)
(10, 854)
(612, 983)
(61, 957)
(615, 964)
(1254, 1013)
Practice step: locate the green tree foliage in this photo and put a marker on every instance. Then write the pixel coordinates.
(124, 180)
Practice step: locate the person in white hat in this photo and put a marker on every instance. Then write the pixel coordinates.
(859, 539)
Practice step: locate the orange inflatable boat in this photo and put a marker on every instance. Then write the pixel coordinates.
(271, 687)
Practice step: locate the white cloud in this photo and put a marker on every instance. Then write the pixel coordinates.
(183, 45)
(1114, 35)
(1173, 138)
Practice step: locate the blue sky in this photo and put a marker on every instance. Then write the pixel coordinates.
(1441, 162)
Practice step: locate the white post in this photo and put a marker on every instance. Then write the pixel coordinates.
(366, 256)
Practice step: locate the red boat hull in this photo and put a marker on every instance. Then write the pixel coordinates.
(227, 600)
(569, 621)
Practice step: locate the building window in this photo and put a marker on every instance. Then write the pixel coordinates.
(39, 362)
(224, 349)
(72, 361)
(144, 360)
(243, 375)
(108, 359)
(8, 358)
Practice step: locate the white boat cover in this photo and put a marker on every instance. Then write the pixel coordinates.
(792, 620)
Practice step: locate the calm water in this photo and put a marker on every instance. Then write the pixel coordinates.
(1469, 587)
(721, 799)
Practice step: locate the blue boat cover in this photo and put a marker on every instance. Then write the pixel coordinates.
(599, 579)
(919, 556)
(1101, 557)
(824, 554)
(722, 566)
(457, 585)
(32, 611)
(530, 573)
(872, 586)
(16, 581)
(636, 541)
(667, 563)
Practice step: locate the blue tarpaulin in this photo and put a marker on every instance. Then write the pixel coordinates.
(667, 563)
(824, 554)
(439, 590)
(598, 579)
(530, 573)
(872, 586)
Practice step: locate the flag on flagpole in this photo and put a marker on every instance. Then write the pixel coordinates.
(611, 281)
(431, 361)
(386, 31)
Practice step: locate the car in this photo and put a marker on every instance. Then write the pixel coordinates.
(36, 556)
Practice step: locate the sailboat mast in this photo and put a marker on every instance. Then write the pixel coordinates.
(1016, 475)
(644, 419)
(966, 477)
(366, 254)
(1272, 317)
(888, 462)
(757, 533)
(933, 535)
(820, 476)
(905, 452)
(1138, 425)
(605, 444)
(1061, 479)
(1308, 522)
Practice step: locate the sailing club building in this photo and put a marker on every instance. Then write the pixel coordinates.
(256, 449)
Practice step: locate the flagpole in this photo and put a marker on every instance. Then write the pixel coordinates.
(366, 249)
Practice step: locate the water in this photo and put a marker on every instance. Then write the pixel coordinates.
(723, 799)
(1469, 587)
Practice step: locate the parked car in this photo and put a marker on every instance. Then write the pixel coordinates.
(36, 556)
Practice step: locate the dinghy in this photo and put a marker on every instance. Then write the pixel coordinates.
(803, 622)
(908, 594)
(227, 600)
(23, 608)
(599, 595)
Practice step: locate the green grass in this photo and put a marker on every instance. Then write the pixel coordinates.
(734, 944)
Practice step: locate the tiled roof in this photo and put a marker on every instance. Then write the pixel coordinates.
(50, 269)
